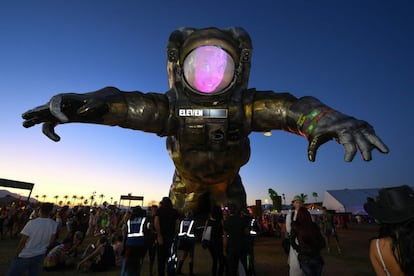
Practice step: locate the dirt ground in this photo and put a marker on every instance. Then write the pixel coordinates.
(270, 258)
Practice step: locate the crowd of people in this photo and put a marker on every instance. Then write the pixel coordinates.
(57, 238)
(391, 253)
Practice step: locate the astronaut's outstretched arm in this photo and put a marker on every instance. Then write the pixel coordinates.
(316, 121)
(108, 106)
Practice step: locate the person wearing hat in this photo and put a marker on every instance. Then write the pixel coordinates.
(392, 252)
(307, 240)
(294, 267)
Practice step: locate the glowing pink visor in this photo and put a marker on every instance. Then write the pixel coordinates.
(208, 69)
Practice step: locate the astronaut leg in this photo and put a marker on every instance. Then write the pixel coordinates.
(199, 198)
(177, 192)
(188, 197)
(236, 193)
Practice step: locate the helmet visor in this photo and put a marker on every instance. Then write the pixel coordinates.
(208, 69)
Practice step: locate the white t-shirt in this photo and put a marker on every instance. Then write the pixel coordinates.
(39, 231)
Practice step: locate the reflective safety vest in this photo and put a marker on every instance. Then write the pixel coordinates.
(186, 228)
(252, 227)
(135, 231)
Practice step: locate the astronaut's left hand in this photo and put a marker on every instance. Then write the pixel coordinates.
(322, 124)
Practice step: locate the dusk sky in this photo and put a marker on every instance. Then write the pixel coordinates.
(355, 56)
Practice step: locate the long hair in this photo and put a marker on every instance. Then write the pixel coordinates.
(305, 228)
(402, 236)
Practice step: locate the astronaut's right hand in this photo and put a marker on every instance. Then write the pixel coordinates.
(65, 108)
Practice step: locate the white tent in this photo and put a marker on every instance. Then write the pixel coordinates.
(348, 200)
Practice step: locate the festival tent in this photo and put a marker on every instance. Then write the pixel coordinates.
(348, 200)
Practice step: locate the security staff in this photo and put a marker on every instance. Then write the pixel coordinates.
(134, 243)
(186, 242)
(253, 228)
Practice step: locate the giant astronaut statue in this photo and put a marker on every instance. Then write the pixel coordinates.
(207, 116)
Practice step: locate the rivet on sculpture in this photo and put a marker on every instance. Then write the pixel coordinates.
(207, 116)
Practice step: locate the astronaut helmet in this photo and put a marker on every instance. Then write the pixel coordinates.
(210, 61)
(208, 69)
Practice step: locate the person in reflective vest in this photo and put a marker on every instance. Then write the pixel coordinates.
(134, 242)
(253, 228)
(186, 242)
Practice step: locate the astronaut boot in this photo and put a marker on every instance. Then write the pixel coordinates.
(196, 203)
(177, 193)
(236, 194)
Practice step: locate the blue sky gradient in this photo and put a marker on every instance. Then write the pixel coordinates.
(355, 56)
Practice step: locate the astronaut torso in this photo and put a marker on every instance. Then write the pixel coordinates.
(210, 142)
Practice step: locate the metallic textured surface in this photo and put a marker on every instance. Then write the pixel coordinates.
(207, 136)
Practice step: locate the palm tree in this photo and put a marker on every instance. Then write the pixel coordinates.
(81, 199)
(92, 198)
(66, 198)
(101, 196)
(276, 199)
(303, 197)
(60, 202)
(44, 198)
(37, 197)
(315, 195)
(74, 197)
(56, 197)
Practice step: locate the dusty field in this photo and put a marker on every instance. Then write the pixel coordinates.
(270, 259)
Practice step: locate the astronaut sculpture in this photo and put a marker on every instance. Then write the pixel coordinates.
(207, 116)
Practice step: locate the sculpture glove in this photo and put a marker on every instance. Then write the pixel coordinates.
(320, 123)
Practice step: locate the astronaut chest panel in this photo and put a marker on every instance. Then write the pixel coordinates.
(211, 129)
(210, 144)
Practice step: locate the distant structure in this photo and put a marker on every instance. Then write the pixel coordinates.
(349, 200)
(18, 185)
(130, 197)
